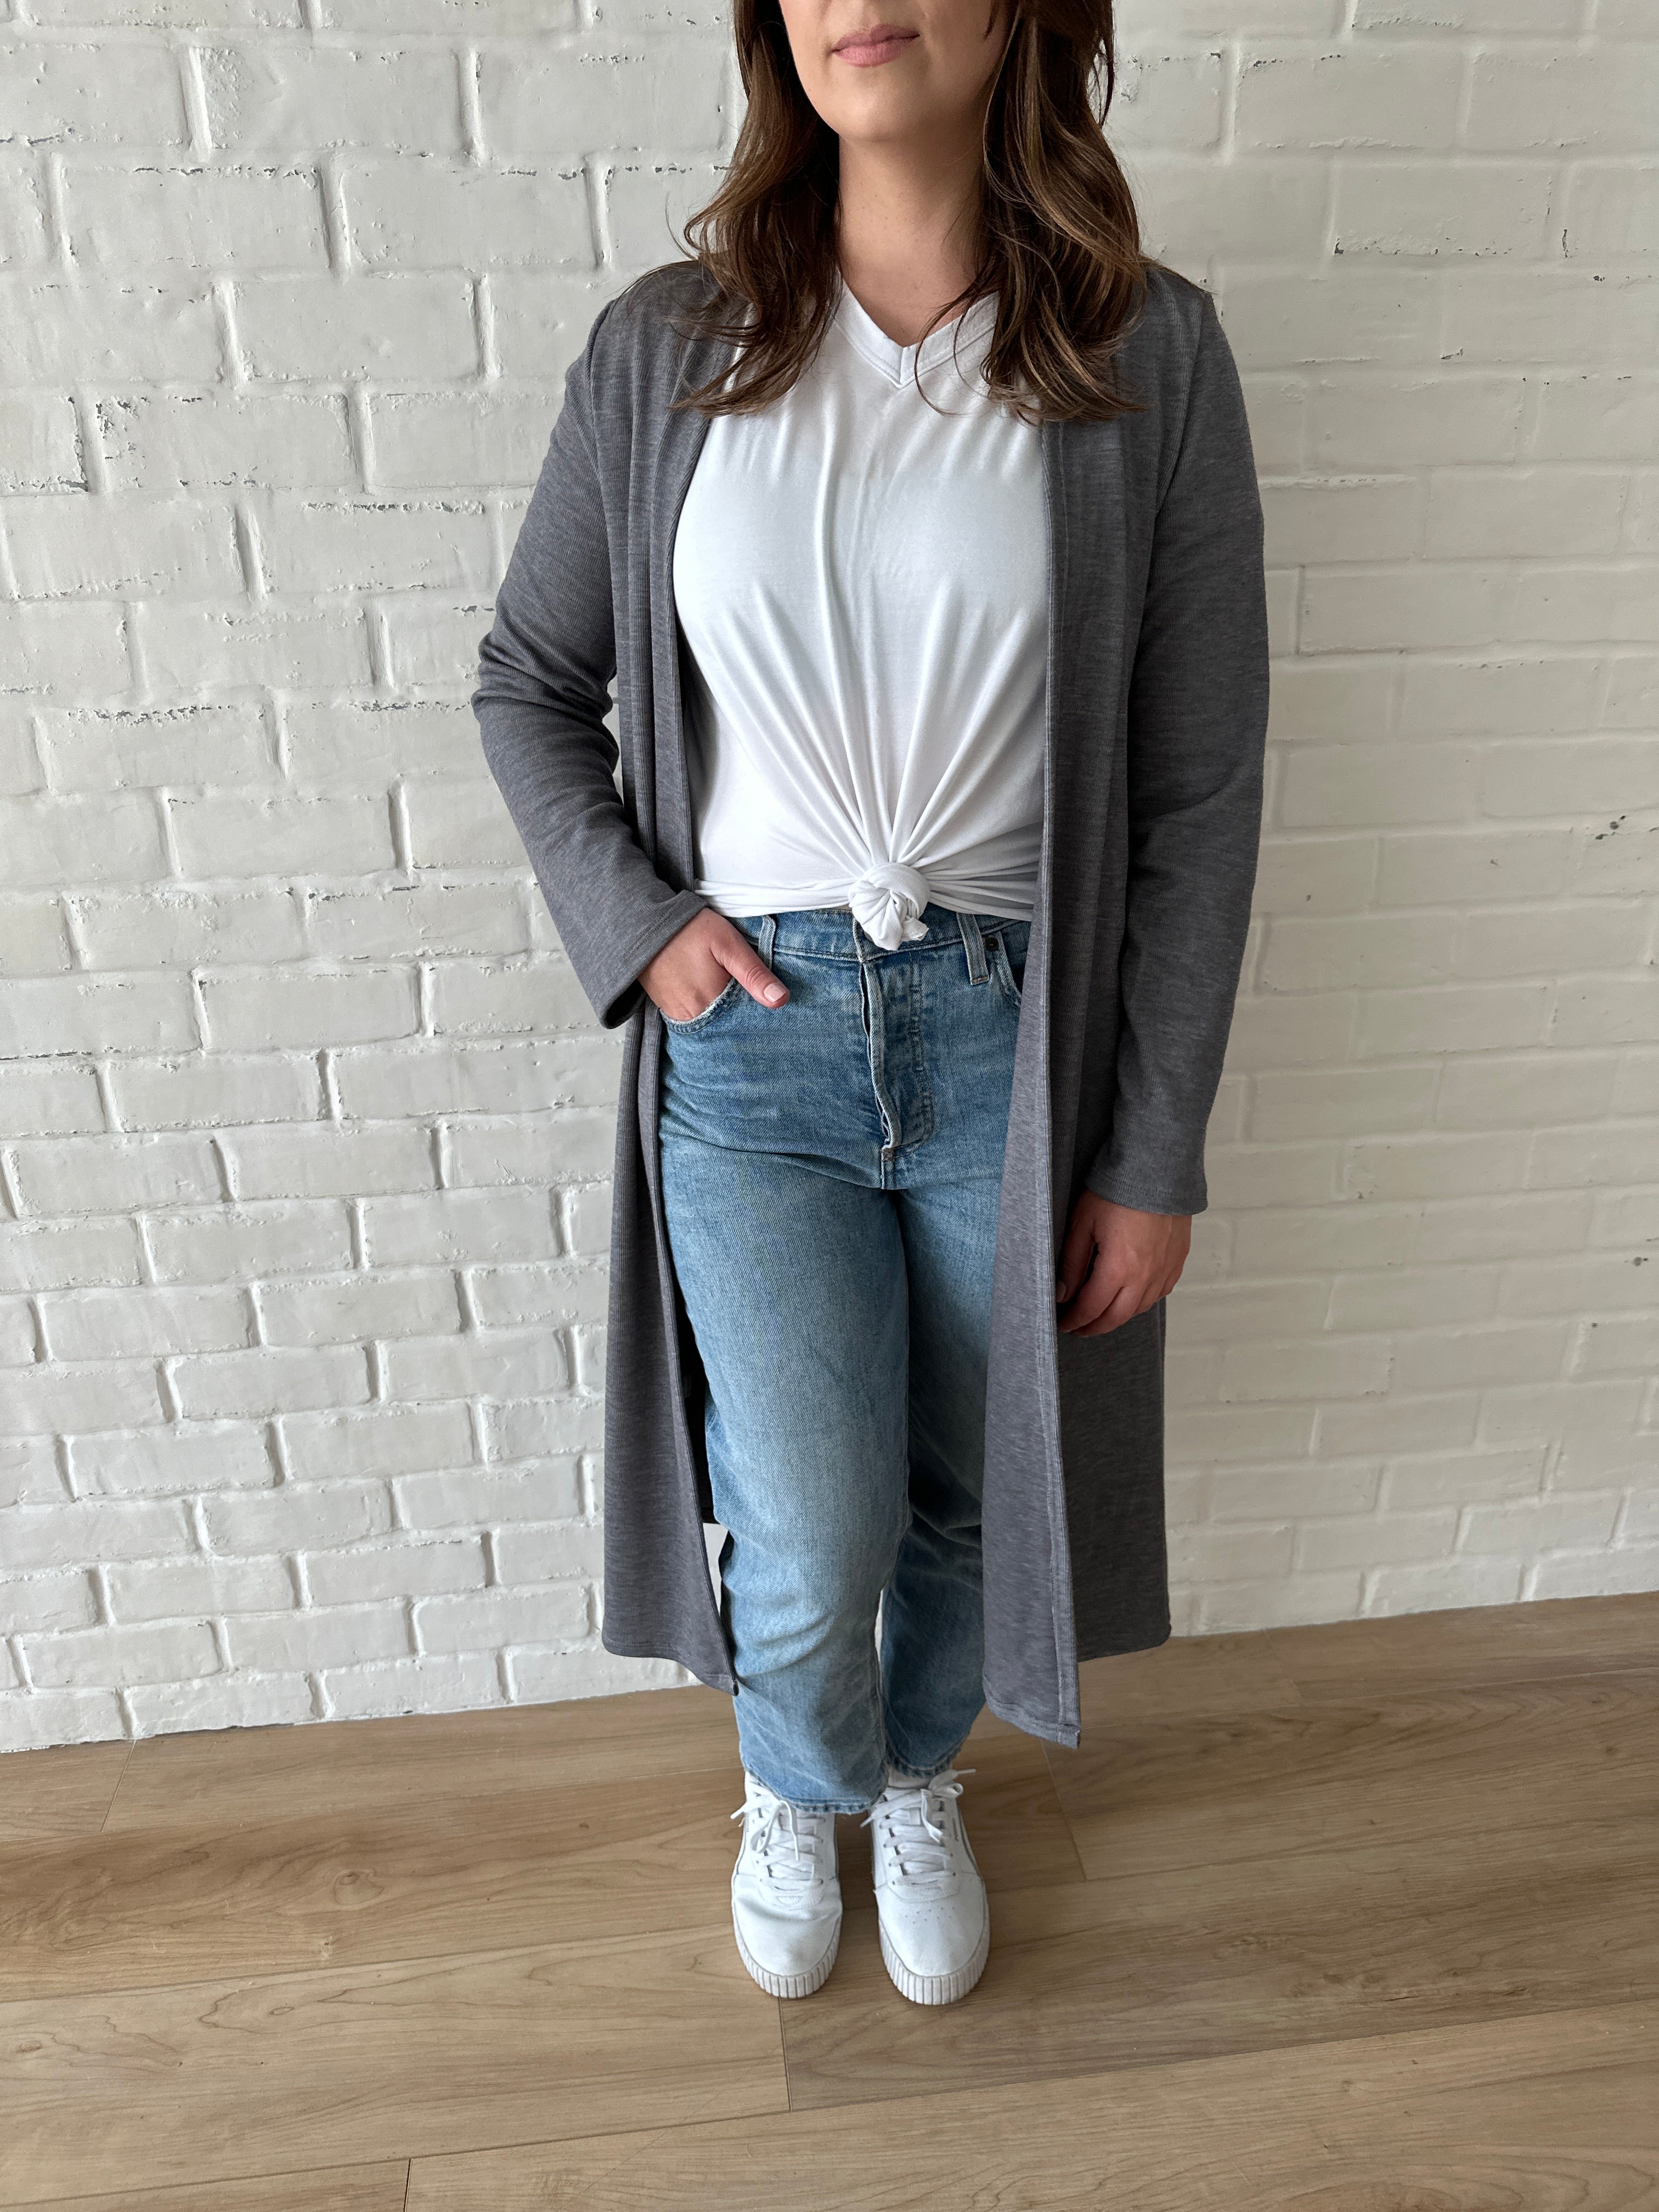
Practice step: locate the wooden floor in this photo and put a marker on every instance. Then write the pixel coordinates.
(1359, 1918)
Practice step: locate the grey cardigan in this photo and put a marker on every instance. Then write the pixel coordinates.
(1156, 719)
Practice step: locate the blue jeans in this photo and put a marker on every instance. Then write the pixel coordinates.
(831, 1172)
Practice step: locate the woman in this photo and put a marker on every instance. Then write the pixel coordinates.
(915, 519)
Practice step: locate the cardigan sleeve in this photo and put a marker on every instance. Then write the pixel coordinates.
(545, 673)
(1197, 732)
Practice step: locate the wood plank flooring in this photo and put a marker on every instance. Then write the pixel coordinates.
(1355, 1918)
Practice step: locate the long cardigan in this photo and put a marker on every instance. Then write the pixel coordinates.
(1156, 710)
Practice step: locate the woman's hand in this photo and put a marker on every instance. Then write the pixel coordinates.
(1137, 1259)
(691, 971)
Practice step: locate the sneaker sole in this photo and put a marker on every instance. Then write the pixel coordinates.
(936, 1989)
(790, 1985)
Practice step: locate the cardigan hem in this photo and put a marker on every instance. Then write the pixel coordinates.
(1108, 1183)
(635, 1647)
(1041, 1725)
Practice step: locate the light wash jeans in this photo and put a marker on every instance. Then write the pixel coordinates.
(831, 1172)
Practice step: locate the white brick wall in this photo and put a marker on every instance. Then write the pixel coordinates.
(305, 1127)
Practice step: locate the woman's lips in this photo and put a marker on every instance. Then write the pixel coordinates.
(874, 52)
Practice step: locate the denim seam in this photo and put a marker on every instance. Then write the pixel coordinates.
(820, 1804)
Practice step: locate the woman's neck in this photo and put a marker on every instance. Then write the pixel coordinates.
(904, 230)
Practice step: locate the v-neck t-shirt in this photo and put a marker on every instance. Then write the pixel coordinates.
(860, 579)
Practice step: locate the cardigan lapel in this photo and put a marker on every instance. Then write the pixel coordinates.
(678, 451)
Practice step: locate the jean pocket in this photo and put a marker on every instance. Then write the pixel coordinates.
(695, 1021)
(1005, 947)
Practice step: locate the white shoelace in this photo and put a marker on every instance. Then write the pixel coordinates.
(915, 1846)
(795, 1867)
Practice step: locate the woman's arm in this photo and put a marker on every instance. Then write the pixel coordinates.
(1198, 721)
(544, 691)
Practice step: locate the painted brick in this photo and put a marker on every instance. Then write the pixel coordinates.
(127, 1324)
(308, 1008)
(529, 1149)
(29, 1473)
(461, 1684)
(154, 442)
(455, 824)
(502, 1076)
(124, 95)
(52, 1255)
(34, 938)
(248, 1700)
(1405, 97)
(123, 219)
(39, 444)
(299, 327)
(391, 1440)
(54, 842)
(228, 834)
(429, 917)
(593, 94)
(468, 1496)
(19, 759)
(210, 1091)
(359, 1308)
(543, 1430)
(184, 929)
(420, 214)
(51, 1600)
(1530, 97)
(50, 1098)
(434, 440)
(542, 320)
(469, 997)
(395, 1571)
(89, 750)
(197, 1459)
(154, 1651)
(39, 643)
(189, 646)
(54, 333)
(298, 1516)
(165, 1588)
(90, 1013)
(433, 642)
(327, 1161)
(100, 1175)
(552, 1615)
(287, 92)
(505, 1363)
(23, 234)
(44, 1400)
(459, 1227)
(365, 744)
(325, 1637)
(95, 1529)
(330, 545)
(230, 1244)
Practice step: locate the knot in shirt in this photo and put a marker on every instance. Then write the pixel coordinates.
(887, 901)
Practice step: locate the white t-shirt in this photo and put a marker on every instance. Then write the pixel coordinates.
(862, 582)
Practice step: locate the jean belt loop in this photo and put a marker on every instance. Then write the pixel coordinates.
(974, 941)
(768, 937)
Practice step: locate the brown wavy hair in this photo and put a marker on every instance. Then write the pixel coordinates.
(1058, 241)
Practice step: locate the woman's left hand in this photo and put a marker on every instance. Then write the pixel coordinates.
(1137, 1259)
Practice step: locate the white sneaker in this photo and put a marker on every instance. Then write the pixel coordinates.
(786, 1892)
(930, 1896)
